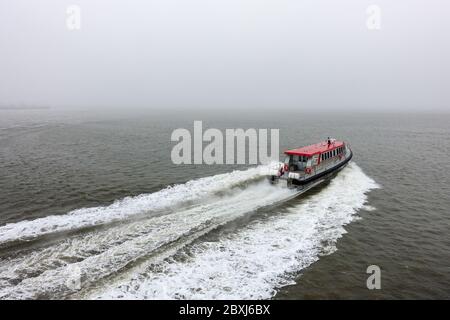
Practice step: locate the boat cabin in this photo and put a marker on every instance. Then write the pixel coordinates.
(304, 158)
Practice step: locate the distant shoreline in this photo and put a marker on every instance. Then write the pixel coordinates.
(22, 108)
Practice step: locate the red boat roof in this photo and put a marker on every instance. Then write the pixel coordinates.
(314, 148)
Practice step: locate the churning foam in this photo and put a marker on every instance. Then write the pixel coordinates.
(101, 252)
(252, 262)
(260, 258)
(169, 197)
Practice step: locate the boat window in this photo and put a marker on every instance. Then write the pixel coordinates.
(308, 163)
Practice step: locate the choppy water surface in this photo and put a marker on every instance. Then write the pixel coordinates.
(91, 207)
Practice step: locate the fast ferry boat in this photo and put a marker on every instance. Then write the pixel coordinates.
(306, 166)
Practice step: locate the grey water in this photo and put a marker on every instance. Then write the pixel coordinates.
(56, 162)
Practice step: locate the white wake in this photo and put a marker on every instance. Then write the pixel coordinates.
(260, 258)
(251, 262)
(170, 197)
(104, 251)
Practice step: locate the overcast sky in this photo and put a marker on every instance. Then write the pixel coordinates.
(216, 54)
